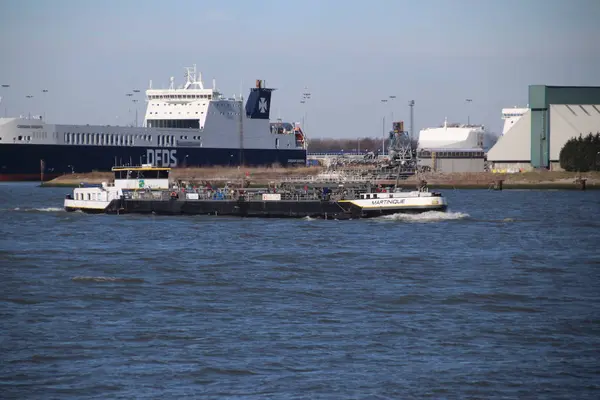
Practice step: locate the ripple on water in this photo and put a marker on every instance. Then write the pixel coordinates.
(104, 279)
(494, 300)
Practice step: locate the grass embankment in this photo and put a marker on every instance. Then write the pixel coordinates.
(525, 180)
(256, 176)
(263, 176)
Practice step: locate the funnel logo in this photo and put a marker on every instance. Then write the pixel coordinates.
(262, 105)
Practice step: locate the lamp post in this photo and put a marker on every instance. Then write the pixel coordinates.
(136, 111)
(468, 101)
(136, 92)
(129, 113)
(392, 98)
(303, 101)
(44, 91)
(29, 96)
(411, 104)
(5, 86)
(383, 101)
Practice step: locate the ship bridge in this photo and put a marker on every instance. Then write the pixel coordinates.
(186, 106)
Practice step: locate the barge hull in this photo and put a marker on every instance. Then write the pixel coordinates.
(263, 209)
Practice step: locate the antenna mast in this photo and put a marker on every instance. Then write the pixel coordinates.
(241, 126)
(411, 104)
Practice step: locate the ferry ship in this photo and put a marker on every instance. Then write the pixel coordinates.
(511, 116)
(191, 125)
(456, 136)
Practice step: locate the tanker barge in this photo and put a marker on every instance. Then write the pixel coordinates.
(148, 190)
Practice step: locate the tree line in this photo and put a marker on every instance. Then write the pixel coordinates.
(347, 145)
(581, 154)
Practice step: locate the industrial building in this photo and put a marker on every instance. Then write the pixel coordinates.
(447, 160)
(555, 115)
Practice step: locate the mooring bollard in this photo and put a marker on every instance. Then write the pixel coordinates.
(580, 183)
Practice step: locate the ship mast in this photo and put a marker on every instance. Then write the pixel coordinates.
(241, 124)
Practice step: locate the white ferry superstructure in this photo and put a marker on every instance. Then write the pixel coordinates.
(456, 136)
(511, 116)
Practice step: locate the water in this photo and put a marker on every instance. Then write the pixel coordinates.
(500, 297)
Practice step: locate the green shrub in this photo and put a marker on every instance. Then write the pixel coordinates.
(581, 154)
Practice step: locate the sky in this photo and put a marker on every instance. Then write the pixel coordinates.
(348, 54)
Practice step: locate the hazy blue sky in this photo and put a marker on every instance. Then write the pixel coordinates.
(350, 54)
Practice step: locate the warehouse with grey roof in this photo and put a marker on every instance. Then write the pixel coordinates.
(556, 114)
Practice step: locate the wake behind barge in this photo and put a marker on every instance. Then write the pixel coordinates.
(147, 190)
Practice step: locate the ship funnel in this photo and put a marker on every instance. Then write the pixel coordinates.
(258, 104)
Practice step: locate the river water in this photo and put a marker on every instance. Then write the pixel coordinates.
(499, 297)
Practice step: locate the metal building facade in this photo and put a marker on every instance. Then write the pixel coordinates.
(452, 160)
(540, 99)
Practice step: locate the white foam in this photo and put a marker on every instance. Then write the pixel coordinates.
(42, 209)
(49, 209)
(429, 216)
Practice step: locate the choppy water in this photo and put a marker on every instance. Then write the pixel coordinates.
(500, 297)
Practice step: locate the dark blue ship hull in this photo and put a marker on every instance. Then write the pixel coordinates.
(21, 162)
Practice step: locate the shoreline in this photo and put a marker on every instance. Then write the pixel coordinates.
(262, 177)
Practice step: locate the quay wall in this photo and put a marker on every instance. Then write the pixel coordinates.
(272, 176)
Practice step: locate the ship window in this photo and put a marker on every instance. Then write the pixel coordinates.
(368, 196)
(277, 143)
(374, 196)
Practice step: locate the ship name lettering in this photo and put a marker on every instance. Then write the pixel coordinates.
(161, 157)
(387, 201)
